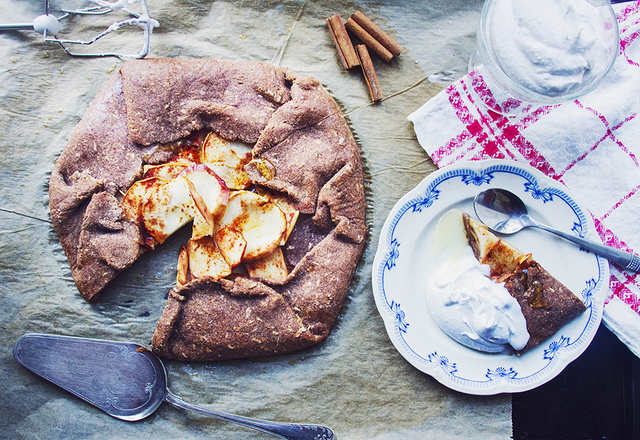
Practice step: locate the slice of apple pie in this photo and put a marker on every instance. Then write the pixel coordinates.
(546, 303)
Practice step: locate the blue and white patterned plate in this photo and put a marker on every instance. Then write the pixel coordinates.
(403, 265)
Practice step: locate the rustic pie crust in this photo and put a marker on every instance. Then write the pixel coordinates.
(302, 147)
(546, 303)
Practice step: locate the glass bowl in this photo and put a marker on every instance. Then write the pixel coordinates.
(546, 51)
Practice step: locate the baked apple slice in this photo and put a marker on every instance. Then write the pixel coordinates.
(221, 158)
(182, 275)
(167, 171)
(284, 203)
(169, 206)
(137, 195)
(271, 266)
(260, 221)
(205, 259)
(232, 244)
(210, 195)
(499, 254)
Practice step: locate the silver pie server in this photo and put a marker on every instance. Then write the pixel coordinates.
(126, 380)
(504, 212)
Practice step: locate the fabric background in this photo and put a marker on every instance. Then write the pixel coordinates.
(355, 382)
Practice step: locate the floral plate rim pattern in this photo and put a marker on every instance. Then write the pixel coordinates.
(399, 278)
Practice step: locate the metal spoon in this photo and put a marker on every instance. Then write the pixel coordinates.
(126, 380)
(504, 212)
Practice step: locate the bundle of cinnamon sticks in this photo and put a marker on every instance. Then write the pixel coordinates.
(373, 38)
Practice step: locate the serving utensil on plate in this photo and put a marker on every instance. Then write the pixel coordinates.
(126, 380)
(504, 212)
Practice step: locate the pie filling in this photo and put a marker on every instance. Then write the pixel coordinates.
(238, 228)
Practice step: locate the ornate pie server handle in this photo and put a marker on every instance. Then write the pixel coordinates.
(289, 431)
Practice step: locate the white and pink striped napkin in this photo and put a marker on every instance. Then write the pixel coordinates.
(591, 145)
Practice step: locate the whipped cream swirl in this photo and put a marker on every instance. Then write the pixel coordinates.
(465, 303)
(551, 47)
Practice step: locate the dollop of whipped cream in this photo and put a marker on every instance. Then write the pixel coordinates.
(551, 47)
(465, 303)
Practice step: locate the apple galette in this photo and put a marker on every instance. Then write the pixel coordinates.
(258, 160)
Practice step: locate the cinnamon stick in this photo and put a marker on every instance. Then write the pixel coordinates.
(343, 43)
(372, 29)
(369, 73)
(367, 39)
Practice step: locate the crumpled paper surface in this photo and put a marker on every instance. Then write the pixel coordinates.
(355, 382)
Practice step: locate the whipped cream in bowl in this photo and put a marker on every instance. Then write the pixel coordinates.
(464, 302)
(547, 51)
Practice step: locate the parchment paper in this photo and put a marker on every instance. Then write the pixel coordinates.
(355, 382)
